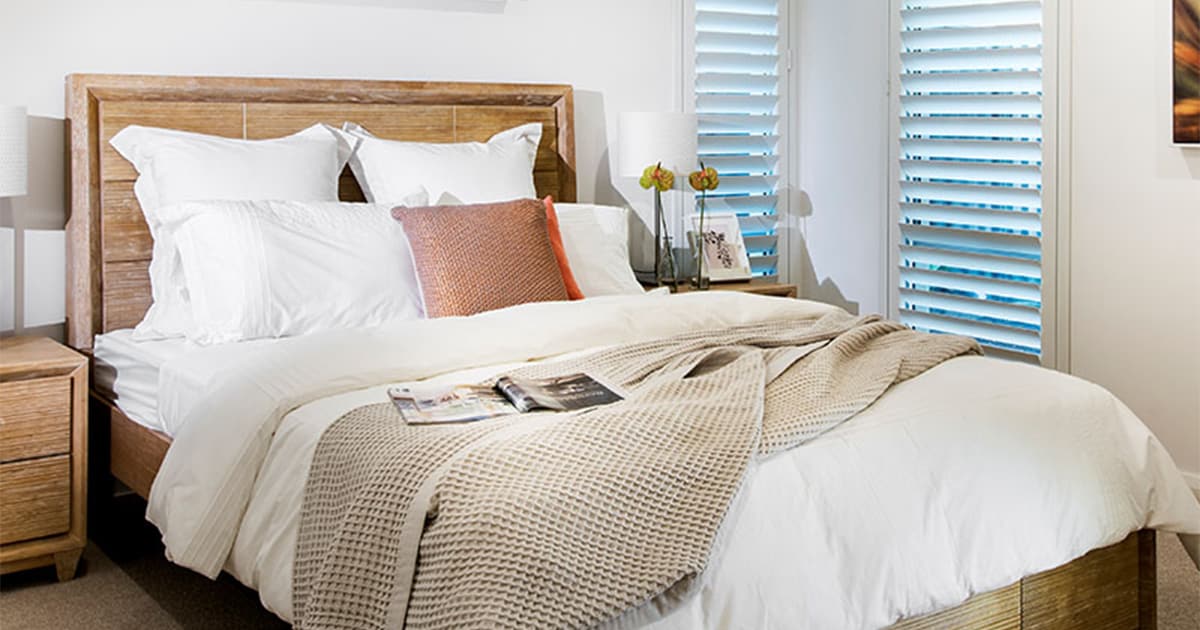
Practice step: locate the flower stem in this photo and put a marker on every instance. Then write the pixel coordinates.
(700, 239)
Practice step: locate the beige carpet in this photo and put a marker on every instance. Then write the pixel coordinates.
(124, 585)
(125, 582)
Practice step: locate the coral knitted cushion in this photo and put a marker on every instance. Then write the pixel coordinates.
(483, 257)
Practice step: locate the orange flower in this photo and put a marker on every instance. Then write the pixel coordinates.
(657, 176)
(704, 179)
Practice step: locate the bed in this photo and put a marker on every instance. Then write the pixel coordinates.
(1109, 584)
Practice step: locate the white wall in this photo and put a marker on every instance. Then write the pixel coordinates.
(620, 55)
(841, 56)
(1135, 224)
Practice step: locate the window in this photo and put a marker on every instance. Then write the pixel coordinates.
(970, 164)
(737, 100)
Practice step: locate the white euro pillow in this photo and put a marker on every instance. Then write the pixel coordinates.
(596, 241)
(500, 169)
(261, 269)
(177, 166)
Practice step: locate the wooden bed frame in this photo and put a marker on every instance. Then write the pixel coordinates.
(108, 254)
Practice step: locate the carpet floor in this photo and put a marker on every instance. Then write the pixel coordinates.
(124, 582)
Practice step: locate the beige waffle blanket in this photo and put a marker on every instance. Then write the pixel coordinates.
(569, 520)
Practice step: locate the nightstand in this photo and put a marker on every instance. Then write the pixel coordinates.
(761, 287)
(43, 455)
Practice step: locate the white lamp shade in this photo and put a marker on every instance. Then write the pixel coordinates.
(647, 138)
(14, 151)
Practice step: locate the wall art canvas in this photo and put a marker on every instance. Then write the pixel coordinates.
(1187, 72)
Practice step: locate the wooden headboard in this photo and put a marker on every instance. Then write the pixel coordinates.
(108, 243)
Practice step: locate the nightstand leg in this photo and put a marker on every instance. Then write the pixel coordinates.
(65, 564)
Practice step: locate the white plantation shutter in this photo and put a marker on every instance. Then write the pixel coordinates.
(737, 103)
(971, 170)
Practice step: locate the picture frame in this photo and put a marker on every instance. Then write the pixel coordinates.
(724, 250)
(1186, 74)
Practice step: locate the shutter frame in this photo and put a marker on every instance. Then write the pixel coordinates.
(737, 90)
(971, 160)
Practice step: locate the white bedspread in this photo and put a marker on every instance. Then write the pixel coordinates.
(960, 481)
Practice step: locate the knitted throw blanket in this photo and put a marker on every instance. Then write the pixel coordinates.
(567, 520)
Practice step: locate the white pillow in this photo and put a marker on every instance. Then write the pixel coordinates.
(455, 173)
(596, 241)
(258, 269)
(175, 166)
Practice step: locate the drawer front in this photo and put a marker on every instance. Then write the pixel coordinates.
(35, 418)
(36, 495)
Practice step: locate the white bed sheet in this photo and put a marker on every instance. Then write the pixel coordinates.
(129, 370)
(960, 481)
(135, 371)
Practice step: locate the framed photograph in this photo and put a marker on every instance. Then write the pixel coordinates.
(725, 256)
(1187, 73)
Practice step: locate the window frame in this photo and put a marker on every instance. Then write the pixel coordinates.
(787, 118)
(1056, 189)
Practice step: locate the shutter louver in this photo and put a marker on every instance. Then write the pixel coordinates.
(971, 170)
(737, 102)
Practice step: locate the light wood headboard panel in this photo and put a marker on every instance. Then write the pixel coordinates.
(108, 243)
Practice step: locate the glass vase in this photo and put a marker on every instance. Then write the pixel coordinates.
(700, 281)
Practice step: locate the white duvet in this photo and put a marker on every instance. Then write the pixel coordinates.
(962, 480)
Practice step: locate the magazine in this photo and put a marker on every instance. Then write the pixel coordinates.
(509, 395)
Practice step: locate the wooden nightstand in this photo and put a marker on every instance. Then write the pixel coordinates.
(43, 455)
(762, 287)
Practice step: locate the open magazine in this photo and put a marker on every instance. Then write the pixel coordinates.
(509, 395)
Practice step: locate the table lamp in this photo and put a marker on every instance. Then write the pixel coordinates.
(14, 151)
(14, 166)
(648, 139)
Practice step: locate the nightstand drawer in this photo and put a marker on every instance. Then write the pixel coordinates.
(36, 495)
(35, 418)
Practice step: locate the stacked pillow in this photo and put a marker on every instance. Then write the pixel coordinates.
(500, 169)
(596, 241)
(250, 240)
(177, 166)
(258, 269)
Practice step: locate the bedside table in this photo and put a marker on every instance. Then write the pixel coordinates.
(761, 287)
(43, 455)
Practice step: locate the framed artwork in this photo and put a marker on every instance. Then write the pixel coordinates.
(725, 256)
(1187, 73)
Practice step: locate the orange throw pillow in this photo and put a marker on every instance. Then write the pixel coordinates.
(560, 253)
(471, 259)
